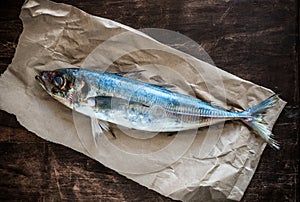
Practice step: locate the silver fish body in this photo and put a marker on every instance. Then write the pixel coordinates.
(134, 104)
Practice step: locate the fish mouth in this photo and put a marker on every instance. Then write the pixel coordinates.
(40, 79)
(42, 82)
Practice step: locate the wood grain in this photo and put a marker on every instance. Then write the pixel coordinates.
(255, 40)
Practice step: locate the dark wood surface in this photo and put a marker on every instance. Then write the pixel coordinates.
(256, 40)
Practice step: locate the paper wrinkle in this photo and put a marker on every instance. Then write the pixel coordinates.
(59, 35)
(40, 8)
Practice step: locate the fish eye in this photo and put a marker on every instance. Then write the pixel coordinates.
(59, 81)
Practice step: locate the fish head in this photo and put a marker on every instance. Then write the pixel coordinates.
(59, 84)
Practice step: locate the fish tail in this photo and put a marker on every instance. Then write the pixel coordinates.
(256, 122)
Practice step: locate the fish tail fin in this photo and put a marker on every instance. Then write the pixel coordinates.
(256, 122)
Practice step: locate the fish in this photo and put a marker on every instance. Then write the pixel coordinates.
(116, 98)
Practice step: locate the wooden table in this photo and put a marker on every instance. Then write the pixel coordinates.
(255, 40)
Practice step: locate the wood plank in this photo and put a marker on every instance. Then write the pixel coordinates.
(256, 40)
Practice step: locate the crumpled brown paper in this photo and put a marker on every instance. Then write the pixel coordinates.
(215, 164)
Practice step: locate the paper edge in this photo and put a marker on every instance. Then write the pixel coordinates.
(22, 122)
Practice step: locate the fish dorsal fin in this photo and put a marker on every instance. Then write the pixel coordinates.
(134, 72)
(162, 85)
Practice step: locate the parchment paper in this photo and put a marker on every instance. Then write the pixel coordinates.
(212, 164)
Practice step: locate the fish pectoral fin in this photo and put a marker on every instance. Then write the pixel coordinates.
(98, 128)
(103, 124)
(103, 102)
(90, 101)
(110, 102)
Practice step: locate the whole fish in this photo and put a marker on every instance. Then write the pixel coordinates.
(115, 98)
